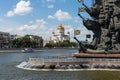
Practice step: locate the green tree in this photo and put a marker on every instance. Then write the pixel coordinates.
(65, 43)
(25, 42)
(73, 44)
(49, 45)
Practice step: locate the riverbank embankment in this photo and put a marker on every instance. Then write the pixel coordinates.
(18, 50)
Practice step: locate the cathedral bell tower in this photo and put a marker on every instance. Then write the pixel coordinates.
(60, 30)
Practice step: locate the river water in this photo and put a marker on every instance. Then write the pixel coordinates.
(9, 71)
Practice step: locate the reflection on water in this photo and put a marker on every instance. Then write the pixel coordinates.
(8, 71)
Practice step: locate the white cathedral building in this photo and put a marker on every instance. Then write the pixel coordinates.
(60, 35)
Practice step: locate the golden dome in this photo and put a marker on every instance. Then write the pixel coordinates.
(60, 27)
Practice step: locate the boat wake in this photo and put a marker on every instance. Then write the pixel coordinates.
(28, 66)
(22, 65)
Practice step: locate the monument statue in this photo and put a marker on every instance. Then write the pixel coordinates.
(105, 24)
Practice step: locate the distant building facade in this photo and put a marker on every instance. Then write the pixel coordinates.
(60, 35)
(7, 40)
(12, 38)
(4, 40)
(15, 36)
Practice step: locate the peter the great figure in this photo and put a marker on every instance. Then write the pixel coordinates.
(105, 24)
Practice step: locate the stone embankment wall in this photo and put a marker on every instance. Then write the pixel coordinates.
(75, 63)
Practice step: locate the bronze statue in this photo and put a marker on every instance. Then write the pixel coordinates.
(105, 24)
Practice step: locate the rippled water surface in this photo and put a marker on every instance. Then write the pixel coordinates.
(8, 71)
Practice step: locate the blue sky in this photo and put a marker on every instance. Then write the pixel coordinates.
(41, 17)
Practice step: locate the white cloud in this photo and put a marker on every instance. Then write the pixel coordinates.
(50, 6)
(51, 17)
(60, 15)
(27, 27)
(22, 8)
(41, 22)
(10, 13)
(37, 25)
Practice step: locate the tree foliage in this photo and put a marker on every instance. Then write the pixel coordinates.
(49, 45)
(25, 42)
(65, 43)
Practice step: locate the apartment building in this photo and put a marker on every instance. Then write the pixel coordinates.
(4, 40)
